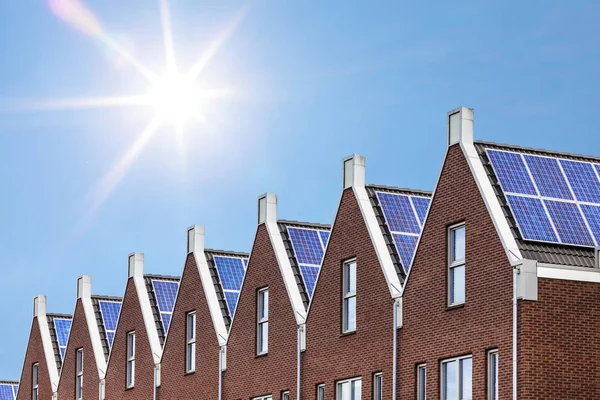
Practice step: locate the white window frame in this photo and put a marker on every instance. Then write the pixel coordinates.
(262, 321)
(352, 382)
(493, 359)
(79, 374)
(459, 377)
(35, 381)
(268, 397)
(378, 386)
(130, 356)
(348, 295)
(190, 348)
(422, 382)
(321, 391)
(455, 264)
(285, 395)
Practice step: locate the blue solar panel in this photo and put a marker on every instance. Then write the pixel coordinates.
(324, 237)
(421, 206)
(406, 245)
(8, 391)
(548, 177)
(165, 292)
(62, 326)
(307, 245)
(583, 180)
(398, 212)
(231, 272)
(532, 219)
(232, 299)
(592, 215)
(511, 172)
(166, 320)
(310, 274)
(110, 315)
(568, 222)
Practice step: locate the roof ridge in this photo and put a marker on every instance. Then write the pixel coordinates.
(158, 276)
(307, 224)
(239, 253)
(58, 315)
(537, 150)
(103, 297)
(399, 189)
(9, 382)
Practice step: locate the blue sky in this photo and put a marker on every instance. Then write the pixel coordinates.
(311, 82)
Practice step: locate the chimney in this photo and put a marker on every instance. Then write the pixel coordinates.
(353, 171)
(195, 241)
(84, 286)
(460, 125)
(39, 306)
(597, 257)
(267, 208)
(136, 265)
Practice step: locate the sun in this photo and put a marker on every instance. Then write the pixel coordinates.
(176, 97)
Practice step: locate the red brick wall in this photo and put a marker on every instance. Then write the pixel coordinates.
(204, 383)
(559, 342)
(130, 319)
(330, 355)
(35, 354)
(432, 332)
(79, 337)
(247, 375)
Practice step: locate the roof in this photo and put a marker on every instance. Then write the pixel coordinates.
(227, 297)
(305, 271)
(545, 252)
(106, 319)
(401, 251)
(8, 390)
(59, 333)
(162, 300)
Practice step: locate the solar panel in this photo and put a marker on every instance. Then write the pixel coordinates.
(231, 272)
(309, 248)
(552, 199)
(110, 314)
(8, 391)
(404, 216)
(165, 293)
(62, 326)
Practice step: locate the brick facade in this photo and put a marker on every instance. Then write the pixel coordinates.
(432, 331)
(247, 374)
(79, 338)
(204, 382)
(331, 355)
(35, 354)
(130, 319)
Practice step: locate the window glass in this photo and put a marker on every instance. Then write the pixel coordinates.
(457, 285)
(493, 375)
(466, 378)
(422, 382)
(378, 387)
(458, 241)
(450, 381)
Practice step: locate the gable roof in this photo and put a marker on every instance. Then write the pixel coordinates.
(107, 310)
(8, 390)
(162, 292)
(545, 252)
(59, 326)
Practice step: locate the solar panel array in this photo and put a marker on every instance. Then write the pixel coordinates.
(165, 293)
(8, 391)
(231, 271)
(405, 216)
(553, 199)
(62, 326)
(110, 310)
(309, 247)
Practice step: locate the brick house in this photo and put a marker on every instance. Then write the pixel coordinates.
(194, 352)
(265, 340)
(351, 321)
(92, 331)
(502, 289)
(8, 390)
(133, 369)
(45, 352)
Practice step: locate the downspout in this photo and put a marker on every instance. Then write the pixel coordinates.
(395, 351)
(220, 373)
(298, 362)
(155, 379)
(514, 331)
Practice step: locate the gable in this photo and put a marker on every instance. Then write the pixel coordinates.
(35, 354)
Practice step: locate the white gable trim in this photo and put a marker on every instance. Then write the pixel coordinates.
(95, 339)
(148, 316)
(48, 350)
(553, 271)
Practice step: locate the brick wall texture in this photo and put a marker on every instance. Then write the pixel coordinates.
(79, 339)
(204, 382)
(35, 354)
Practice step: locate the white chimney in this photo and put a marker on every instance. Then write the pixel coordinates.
(195, 242)
(267, 208)
(460, 125)
(39, 306)
(597, 257)
(136, 265)
(353, 171)
(84, 286)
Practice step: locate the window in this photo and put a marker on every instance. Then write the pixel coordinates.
(493, 374)
(79, 374)
(130, 359)
(457, 376)
(349, 389)
(421, 382)
(262, 334)
(190, 354)
(269, 397)
(456, 273)
(378, 386)
(285, 395)
(34, 381)
(321, 392)
(349, 307)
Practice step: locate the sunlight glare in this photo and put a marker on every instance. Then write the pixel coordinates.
(176, 97)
